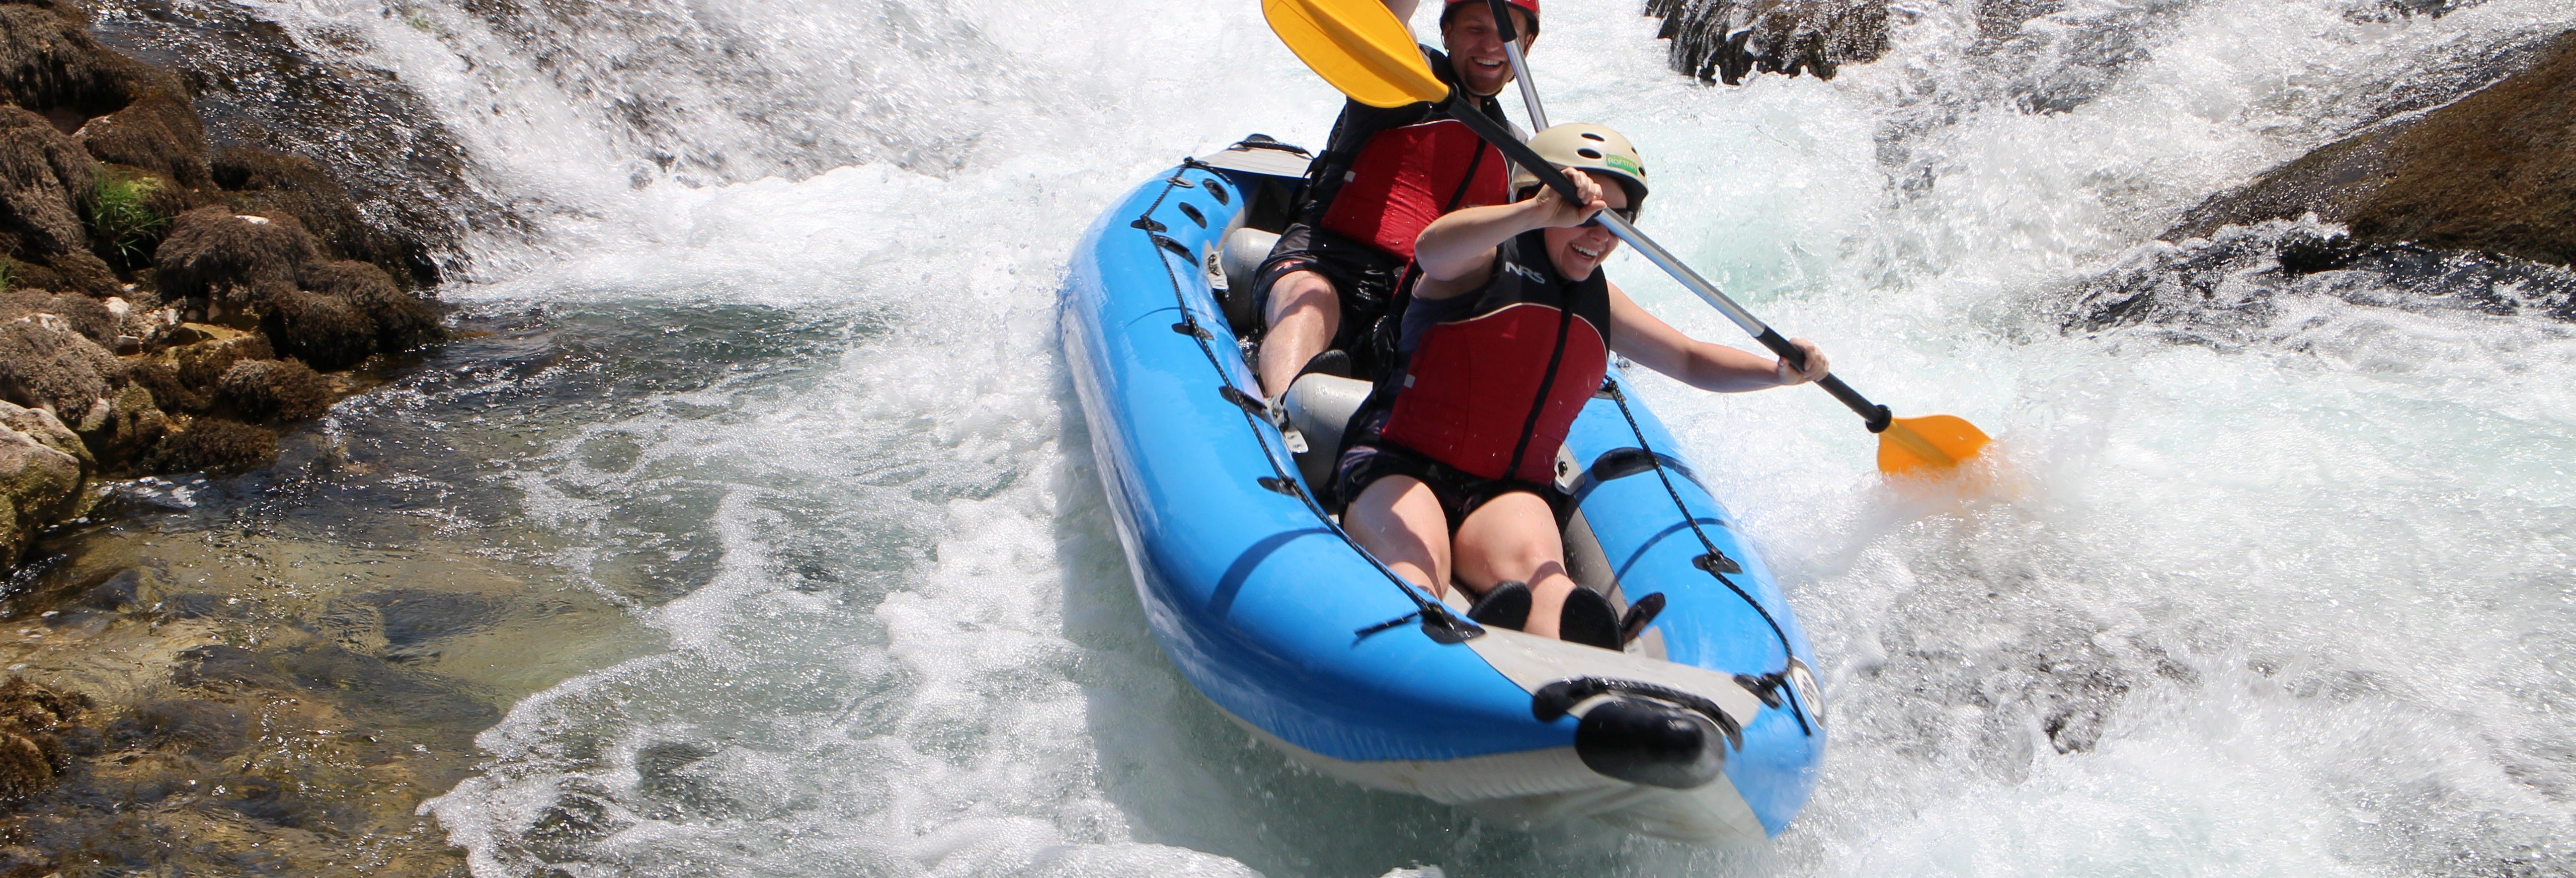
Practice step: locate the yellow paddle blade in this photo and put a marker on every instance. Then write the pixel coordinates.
(1359, 47)
(1928, 445)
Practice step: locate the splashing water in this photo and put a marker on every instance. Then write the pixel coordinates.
(2296, 603)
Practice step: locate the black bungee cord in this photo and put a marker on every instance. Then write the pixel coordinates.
(1716, 564)
(1438, 623)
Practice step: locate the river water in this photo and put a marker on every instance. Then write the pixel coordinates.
(2285, 590)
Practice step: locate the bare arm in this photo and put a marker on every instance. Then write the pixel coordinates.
(1642, 337)
(1456, 251)
(1403, 9)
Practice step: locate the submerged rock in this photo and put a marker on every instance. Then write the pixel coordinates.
(1722, 40)
(2494, 172)
(33, 720)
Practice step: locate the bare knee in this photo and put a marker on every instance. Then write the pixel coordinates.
(1398, 520)
(1513, 537)
(1305, 295)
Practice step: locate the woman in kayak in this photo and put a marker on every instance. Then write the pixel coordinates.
(1452, 470)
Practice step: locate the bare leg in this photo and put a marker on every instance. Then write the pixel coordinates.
(1514, 536)
(1398, 520)
(1304, 313)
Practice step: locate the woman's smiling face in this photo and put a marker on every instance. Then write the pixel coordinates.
(1578, 251)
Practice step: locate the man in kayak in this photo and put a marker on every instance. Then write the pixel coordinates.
(1383, 175)
(1451, 470)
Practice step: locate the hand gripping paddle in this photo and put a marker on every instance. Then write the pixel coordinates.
(1362, 50)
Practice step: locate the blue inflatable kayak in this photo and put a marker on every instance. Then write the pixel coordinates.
(1708, 727)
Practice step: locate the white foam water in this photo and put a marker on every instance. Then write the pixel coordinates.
(2295, 605)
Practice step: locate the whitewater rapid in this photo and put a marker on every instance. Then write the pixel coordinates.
(2300, 603)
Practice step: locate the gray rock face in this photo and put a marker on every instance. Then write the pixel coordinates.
(44, 476)
(2493, 172)
(1722, 40)
(2249, 285)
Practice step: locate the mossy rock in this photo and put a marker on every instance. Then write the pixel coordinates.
(216, 446)
(284, 390)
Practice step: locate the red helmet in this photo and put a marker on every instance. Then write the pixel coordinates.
(1529, 6)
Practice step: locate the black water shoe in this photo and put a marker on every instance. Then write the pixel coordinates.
(1506, 605)
(1335, 362)
(1588, 619)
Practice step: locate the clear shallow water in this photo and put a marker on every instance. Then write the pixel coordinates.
(2295, 604)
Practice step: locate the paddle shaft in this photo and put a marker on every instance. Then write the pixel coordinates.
(1520, 65)
(1876, 415)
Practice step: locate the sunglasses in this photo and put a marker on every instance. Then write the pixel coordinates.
(1625, 213)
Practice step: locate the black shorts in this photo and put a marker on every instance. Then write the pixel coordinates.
(1368, 457)
(1364, 278)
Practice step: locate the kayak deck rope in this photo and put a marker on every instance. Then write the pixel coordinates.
(1769, 686)
(1438, 622)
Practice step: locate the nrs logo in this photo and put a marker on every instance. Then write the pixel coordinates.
(1524, 272)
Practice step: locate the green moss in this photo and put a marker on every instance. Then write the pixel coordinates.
(125, 215)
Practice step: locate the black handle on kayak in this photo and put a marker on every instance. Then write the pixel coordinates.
(1877, 416)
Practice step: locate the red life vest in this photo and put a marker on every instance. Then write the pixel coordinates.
(1494, 394)
(1406, 177)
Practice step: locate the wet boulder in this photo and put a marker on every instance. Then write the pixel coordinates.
(2493, 172)
(214, 445)
(121, 110)
(1722, 40)
(44, 476)
(257, 181)
(402, 322)
(284, 390)
(325, 331)
(230, 261)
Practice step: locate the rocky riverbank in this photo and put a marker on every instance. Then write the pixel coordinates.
(167, 302)
(175, 301)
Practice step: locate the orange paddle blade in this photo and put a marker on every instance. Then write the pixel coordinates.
(1928, 445)
(1359, 47)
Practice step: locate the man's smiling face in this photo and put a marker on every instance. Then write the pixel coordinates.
(1476, 48)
